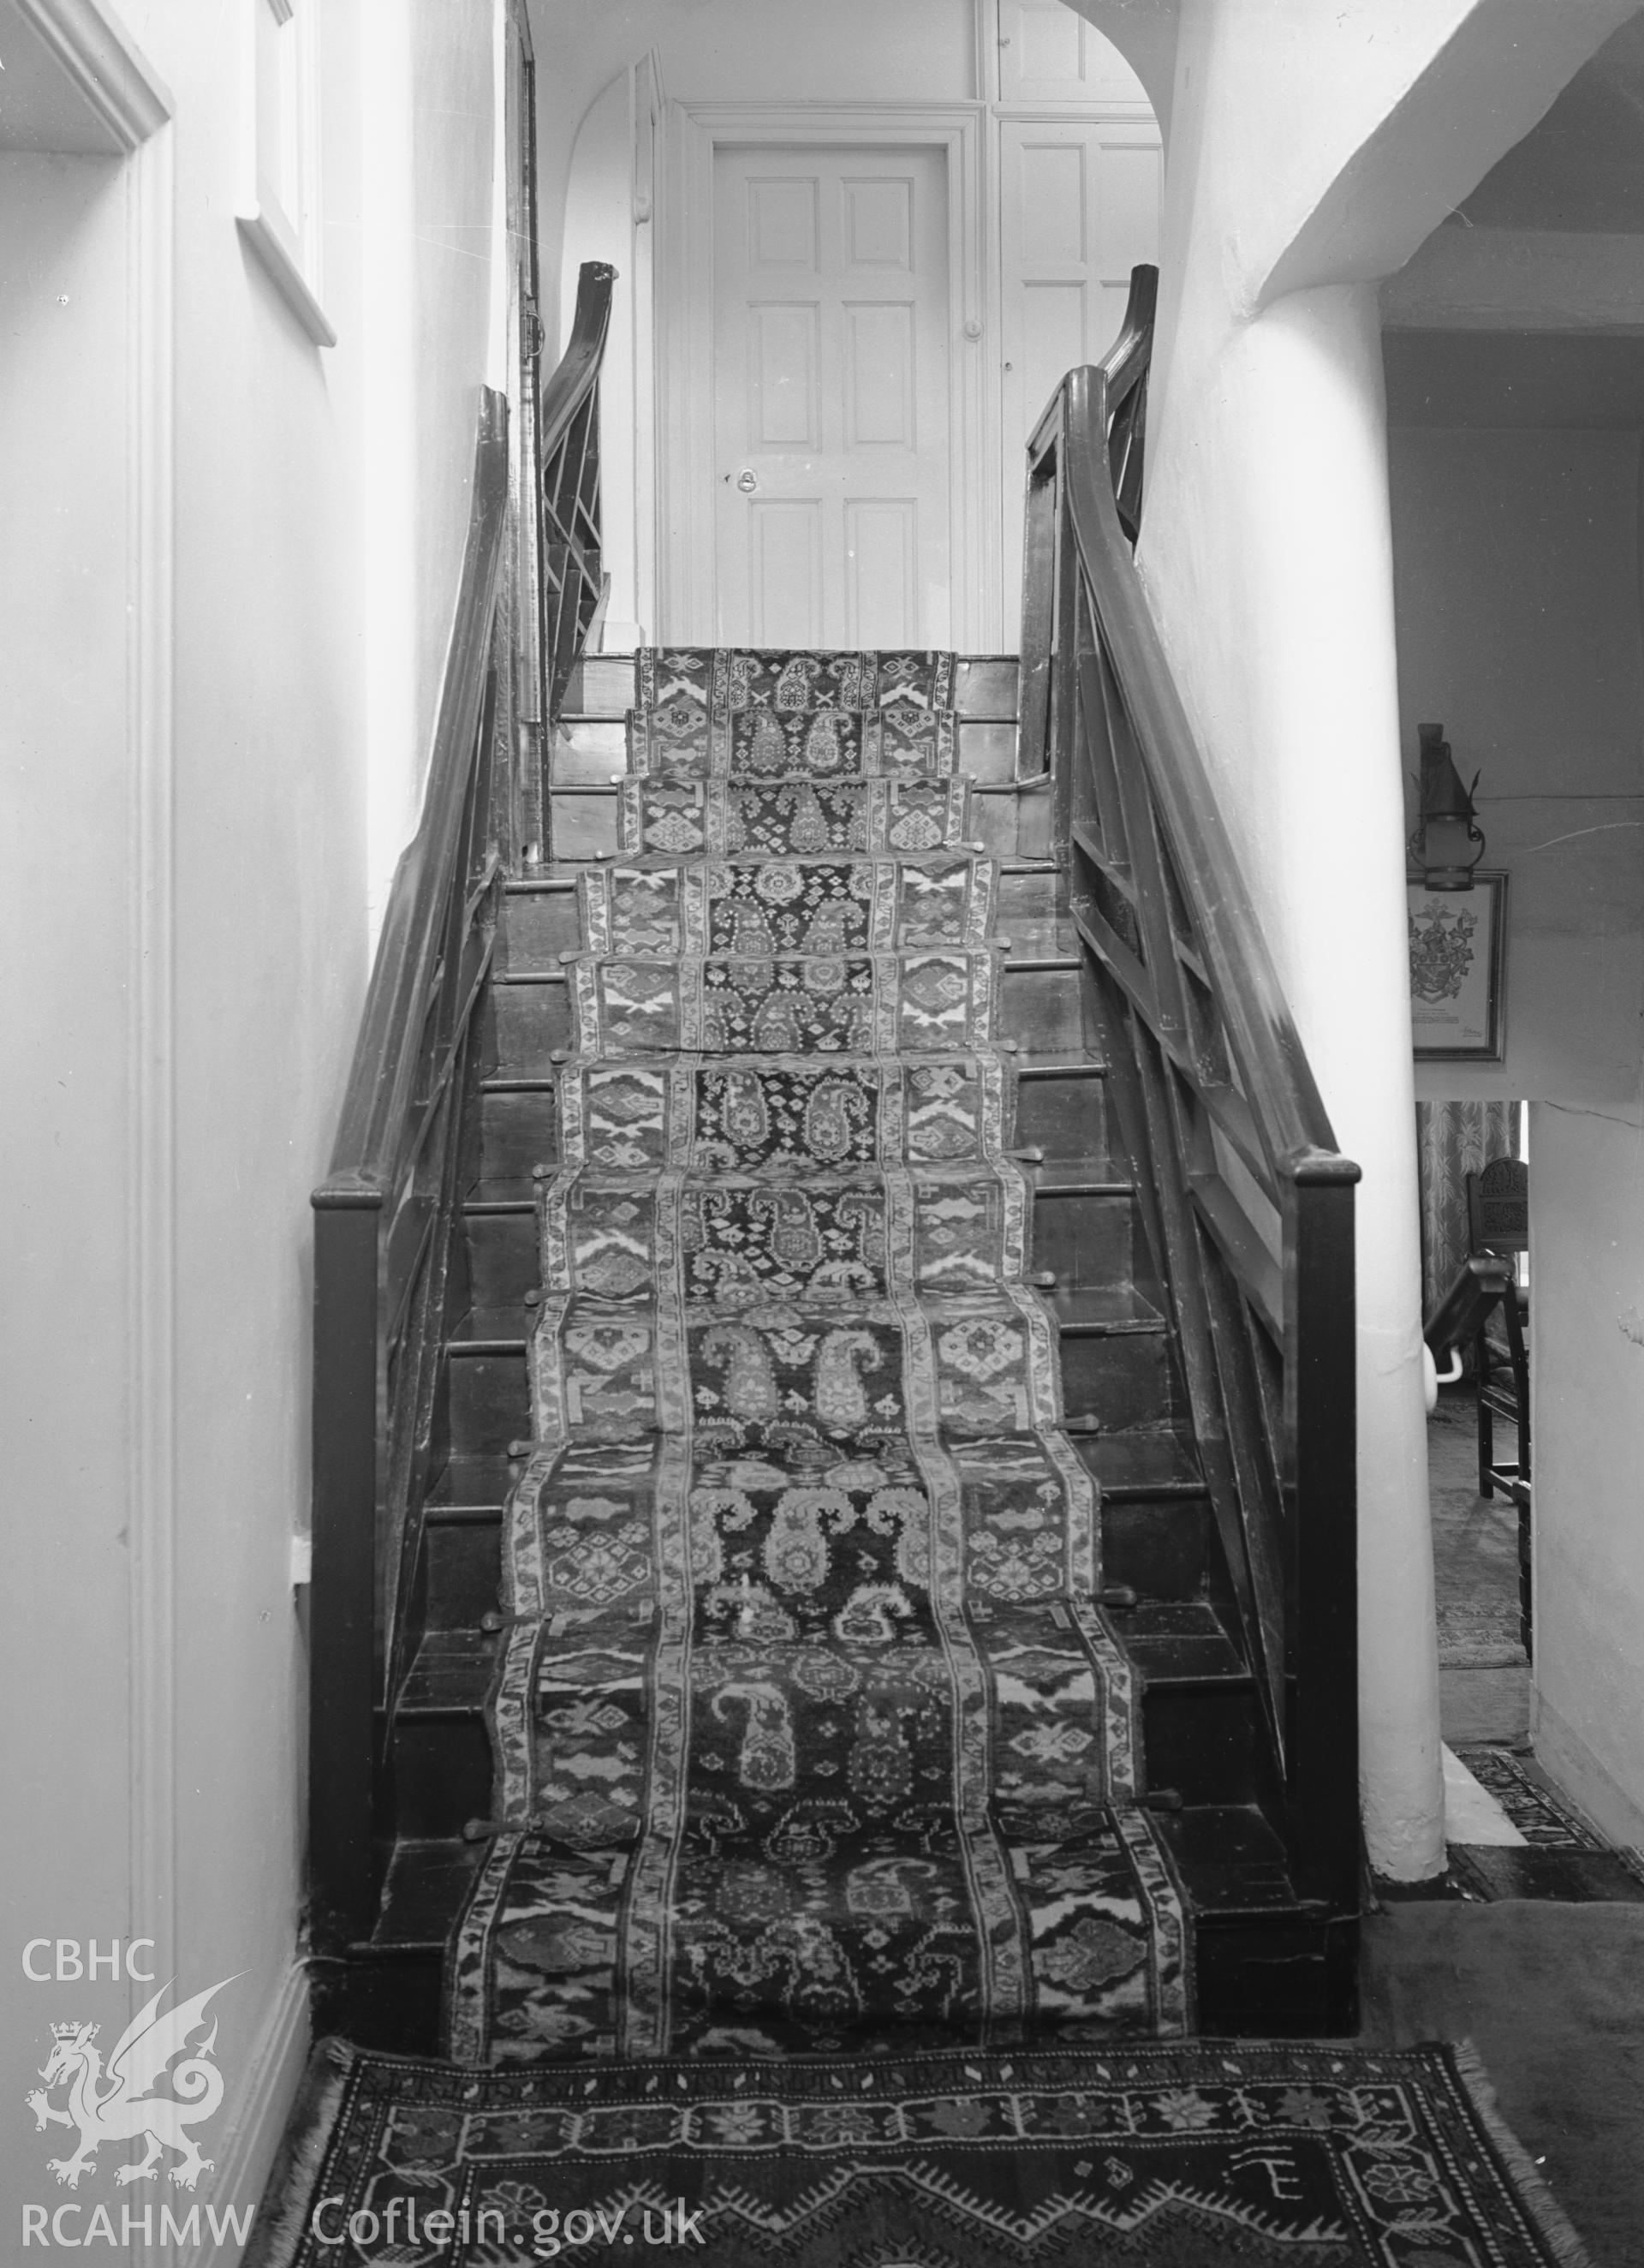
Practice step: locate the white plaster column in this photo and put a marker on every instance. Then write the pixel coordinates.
(1307, 153)
(1274, 514)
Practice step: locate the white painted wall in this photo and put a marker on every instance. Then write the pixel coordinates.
(1517, 557)
(430, 219)
(1307, 153)
(1068, 205)
(1518, 571)
(1587, 1277)
(186, 870)
(67, 1192)
(736, 51)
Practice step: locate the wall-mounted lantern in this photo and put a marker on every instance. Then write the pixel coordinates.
(1448, 841)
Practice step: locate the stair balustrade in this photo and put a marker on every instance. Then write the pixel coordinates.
(386, 1269)
(1247, 1204)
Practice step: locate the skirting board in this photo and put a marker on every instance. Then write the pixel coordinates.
(277, 2062)
(1591, 1786)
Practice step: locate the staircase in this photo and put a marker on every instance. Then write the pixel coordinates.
(1198, 1441)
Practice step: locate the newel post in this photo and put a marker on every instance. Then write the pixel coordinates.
(341, 1635)
(1323, 1733)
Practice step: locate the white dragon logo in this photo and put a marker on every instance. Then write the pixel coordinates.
(117, 2106)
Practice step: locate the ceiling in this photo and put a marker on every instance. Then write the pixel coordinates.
(1583, 166)
(1580, 171)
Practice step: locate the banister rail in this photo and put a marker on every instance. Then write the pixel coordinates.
(568, 446)
(377, 1111)
(1246, 1202)
(384, 1280)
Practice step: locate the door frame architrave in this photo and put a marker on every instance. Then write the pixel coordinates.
(686, 453)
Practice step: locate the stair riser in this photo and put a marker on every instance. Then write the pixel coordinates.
(1009, 825)
(464, 1572)
(1042, 1010)
(388, 2003)
(606, 684)
(1291, 1980)
(1083, 1240)
(1204, 1741)
(1066, 1118)
(533, 1023)
(443, 1773)
(538, 927)
(584, 825)
(502, 1261)
(488, 1402)
(1123, 1381)
(516, 1134)
(1158, 1550)
(1063, 1117)
(588, 750)
(1037, 895)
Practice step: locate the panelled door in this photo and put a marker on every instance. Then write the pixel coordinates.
(832, 344)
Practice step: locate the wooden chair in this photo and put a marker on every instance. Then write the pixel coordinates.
(1498, 1221)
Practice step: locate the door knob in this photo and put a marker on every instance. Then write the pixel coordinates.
(747, 481)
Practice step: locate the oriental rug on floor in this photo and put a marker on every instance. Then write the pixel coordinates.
(810, 1732)
(1268, 2156)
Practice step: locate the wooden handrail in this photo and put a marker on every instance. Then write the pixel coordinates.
(573, 587)
(383, 1215)
(1245, 1201)
(376, 1105)
(577, 373)
(1279, 1081)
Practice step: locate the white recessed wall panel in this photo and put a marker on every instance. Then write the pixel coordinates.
(1126, 215)
(782, 375)
(1055, 332)
(1079, 208)
(1047, 54)
(1053, 213)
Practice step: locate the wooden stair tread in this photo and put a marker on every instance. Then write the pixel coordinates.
(986, 687)
(1079, 1177)
(1092, 1311)
(1180, 1641)
(428, 1877)
(489, 1331)
(1144, 1467)
(1231, 1859)
(471, 1484)
(450, 1675)
(501, 1198)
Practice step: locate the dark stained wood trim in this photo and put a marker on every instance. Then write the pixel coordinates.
(1205, 1066)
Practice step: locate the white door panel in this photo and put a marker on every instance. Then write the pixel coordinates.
(831, 388)
(1079, 207)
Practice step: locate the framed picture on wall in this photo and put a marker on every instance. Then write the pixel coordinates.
(1457, 957)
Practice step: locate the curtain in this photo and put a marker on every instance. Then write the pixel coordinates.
(1454, 1139)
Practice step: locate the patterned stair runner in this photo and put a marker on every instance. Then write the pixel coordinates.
(810, 1732)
